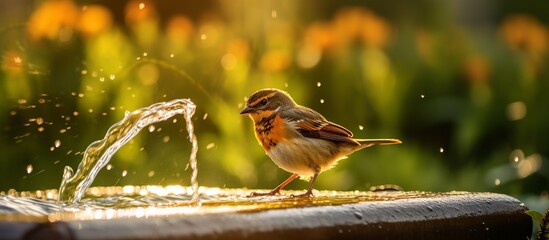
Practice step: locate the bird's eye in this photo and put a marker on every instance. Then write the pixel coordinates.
(263, 102)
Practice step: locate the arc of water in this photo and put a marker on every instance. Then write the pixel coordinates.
(99, 153)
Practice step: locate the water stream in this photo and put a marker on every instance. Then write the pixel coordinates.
(98, 154)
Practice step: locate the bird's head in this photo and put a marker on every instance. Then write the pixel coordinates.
(266, 101)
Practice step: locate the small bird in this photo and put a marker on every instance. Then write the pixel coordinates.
(299, 139)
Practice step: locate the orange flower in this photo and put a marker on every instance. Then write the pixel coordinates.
(51, 18)
(477, 69)
(375, 32)
(319, 36)
(274, 61)
(525, 33)
(139, 11)
(179, 28)
(94, 20)
(360, 23)
(239, 48)
(424, 44)
(348, 23)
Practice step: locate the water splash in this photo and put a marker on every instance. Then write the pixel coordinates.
(98, 154)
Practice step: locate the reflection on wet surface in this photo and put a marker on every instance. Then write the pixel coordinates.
(151, 201)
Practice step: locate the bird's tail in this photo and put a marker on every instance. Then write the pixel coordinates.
(364, 143)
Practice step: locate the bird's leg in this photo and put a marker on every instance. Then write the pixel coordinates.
(309, 192)
(277, 189)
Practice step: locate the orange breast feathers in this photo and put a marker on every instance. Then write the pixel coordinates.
(269, 129)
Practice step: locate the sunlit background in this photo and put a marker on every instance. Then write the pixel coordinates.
(464, 84)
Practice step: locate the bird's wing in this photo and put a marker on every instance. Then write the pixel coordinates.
(312, 124)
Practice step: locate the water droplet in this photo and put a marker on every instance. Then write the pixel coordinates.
(205, 116)
(360, 127)
(80, 95)
(174, 120)
(203, 36)
(516, 157)
(151, 128)
(102, 79)
(39, 121)
(75, 113)
(109, 166)
(145, 54)
(171, 55)
(274, 14)
(112, 77)
(90, 110)
(318, 84)
(321, 100)
(29, 168)
(57, 143)
(52, 148)
(497, 182)
(422, 96)
(166, 139)
(141, 6)
(40, 129)
(151, 173)
(211, 145)
(124, 173)
(22, 101)
(487, 229)
(441, 150)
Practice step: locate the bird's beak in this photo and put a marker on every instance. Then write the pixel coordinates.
(247, 110)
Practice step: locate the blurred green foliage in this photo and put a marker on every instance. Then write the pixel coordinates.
(464, 85)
